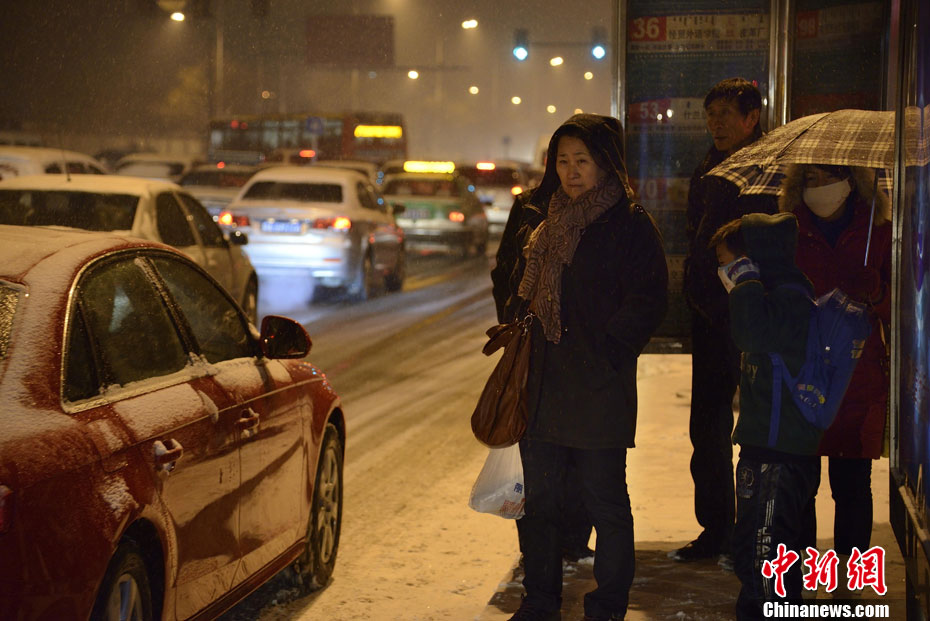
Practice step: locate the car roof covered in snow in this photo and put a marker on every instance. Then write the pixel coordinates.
(103, 184)
(308, 174)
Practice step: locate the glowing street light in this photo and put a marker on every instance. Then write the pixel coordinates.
(555, 62)
(468, 24)
(473, 90)
(516, 100)
(550, 109)
(177, 16)
(588, 75)
(413, 74)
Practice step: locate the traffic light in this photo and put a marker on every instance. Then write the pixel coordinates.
(598, 42)
(521, 44)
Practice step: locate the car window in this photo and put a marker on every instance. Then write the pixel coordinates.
(210, 233)
(95, 170)
(499, 176)
(76, 168)
(81, 210)
(443, 188)
(173, 227)
(307, 192)
(365, 198)
(119, 310)
(215, 321)
(216, 178)
(53, 169)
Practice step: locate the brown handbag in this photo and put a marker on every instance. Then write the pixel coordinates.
(499, 419)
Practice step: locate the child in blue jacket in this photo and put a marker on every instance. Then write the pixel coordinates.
(778, 470)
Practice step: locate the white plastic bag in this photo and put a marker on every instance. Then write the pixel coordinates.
(499, 487)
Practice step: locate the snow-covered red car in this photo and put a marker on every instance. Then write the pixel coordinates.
(159, 457)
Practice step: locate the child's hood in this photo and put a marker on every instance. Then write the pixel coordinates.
(771, 241)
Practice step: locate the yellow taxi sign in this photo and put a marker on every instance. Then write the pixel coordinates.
(379, 131)
(415, 166)
(485, 166)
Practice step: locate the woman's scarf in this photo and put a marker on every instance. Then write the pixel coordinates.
(552, 246)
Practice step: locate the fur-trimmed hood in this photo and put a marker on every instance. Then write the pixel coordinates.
(792, 188)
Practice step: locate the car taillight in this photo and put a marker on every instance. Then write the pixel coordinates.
(457, 216)
(340, 223)
(6, 508)
(227, 218)
(516, 190)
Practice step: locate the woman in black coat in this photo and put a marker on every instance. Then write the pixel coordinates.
(594, 274)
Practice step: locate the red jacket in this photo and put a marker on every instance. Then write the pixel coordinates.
(859, 425)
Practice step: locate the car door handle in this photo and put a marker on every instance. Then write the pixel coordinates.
(248, 421)
(167, 454)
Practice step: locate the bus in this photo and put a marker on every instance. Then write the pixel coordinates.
(302, 138)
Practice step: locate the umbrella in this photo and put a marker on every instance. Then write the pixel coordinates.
(863, 138)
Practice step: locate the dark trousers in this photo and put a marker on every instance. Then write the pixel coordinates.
(714, 378)
(851, 488)
(772, 501)
(601, 475)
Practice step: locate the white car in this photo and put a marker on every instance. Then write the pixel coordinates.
(369, 169)
(154, 166)
(150, 209)
(496, 183)
(216, 186)
(17, 161)
(327, 224)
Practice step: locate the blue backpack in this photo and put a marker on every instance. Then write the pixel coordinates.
(838, 330)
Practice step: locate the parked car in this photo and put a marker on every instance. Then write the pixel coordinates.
(496, 183)
(327, 223)
(16, 161)
(441, 212)
(215, 185)
(160, 458)
(150, 209)
(154, 166)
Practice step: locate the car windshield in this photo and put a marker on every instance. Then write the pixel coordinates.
(91, 211)
(305, 192)
(421, 187)
(498, 176)
(9, 299)
(216, 178)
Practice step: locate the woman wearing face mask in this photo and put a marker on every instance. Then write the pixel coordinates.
(833, 206)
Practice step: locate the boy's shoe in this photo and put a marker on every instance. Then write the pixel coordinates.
(531, 612)
(698, 550)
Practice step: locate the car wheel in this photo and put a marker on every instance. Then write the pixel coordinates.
(395, 280)
(315, 566)
(250, 301)
(124, 593)
(362, 285)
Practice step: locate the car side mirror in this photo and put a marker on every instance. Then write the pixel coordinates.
(397, 209)
(282, 337)
(238, 238)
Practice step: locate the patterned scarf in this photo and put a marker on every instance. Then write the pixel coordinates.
(552, 246)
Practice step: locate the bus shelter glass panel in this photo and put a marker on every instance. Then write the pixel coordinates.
(837, 56)
(913, 313)
(676, 51)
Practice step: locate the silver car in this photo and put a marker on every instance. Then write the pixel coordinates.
(146, 208)
(327, 224)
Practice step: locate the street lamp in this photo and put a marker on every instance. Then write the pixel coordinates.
(177, 16)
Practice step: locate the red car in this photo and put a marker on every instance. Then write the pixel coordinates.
(159, 457)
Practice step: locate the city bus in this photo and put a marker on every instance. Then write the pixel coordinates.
(301, 138)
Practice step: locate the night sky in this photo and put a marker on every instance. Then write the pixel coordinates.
(114, 68)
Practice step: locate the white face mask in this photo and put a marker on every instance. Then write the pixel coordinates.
(826, 199)
(724, 276)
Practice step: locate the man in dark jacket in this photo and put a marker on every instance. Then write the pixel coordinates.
(778, 470)
(733, 107)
